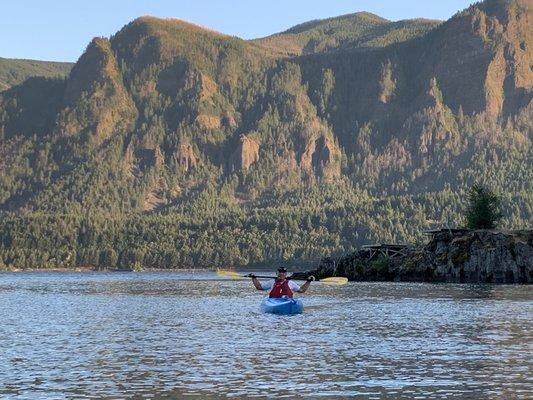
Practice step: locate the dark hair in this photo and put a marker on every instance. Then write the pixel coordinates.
(282, 269)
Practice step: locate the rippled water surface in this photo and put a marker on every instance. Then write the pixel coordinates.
(172, 335)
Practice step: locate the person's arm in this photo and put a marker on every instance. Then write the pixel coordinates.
(306, 285)
(256, 282)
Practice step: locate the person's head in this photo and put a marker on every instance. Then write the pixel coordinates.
(282, 273)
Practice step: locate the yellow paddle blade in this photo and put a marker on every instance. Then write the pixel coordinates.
(229, 274)
(335, 280)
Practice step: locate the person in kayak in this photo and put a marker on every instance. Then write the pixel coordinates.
(281, 286)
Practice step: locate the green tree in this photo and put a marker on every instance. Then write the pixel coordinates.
(484, 209)
(107, 259)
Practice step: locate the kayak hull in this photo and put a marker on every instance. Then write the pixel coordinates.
(282, 306)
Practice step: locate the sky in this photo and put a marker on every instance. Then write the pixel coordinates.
(59, 30)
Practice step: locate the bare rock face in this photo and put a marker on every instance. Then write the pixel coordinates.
(520, 63)
(509, 76)
(246, 153)
(387, 83)
(481, 257)
(289, 163)
(474, 257)
(483, 57)
(206, 121)
(321, 156)
(185, 158)
(208, 87)
(494, 89)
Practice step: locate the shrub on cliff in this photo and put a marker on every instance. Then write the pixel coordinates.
(484, 209)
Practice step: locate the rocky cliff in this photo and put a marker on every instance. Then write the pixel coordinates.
(468, 257)
(95, 101)
(245, 155)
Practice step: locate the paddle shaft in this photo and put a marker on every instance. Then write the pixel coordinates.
(334, 280)
(273, 277)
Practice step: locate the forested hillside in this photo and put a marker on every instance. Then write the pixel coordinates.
(14, 71)
(360, 30)
(170, 145)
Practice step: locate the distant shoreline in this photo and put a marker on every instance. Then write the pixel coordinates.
(145, 270)
(89, 269)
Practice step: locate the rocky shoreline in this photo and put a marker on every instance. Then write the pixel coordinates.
(476, 256)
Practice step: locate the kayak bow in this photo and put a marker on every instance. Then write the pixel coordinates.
(282, 306)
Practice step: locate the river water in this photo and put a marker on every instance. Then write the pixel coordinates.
(175, 335)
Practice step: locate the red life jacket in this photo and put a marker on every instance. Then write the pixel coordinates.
(280, 289)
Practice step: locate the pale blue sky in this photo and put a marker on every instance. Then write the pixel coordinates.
(61, 29)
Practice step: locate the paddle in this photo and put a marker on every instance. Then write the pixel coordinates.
(334, 280)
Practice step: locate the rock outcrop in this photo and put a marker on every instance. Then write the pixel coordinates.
(469, 257)
(245, 155)
(387, 83)
(185, 158)
(322, 157)
(478, 257)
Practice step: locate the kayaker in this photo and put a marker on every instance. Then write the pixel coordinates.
(281, 286)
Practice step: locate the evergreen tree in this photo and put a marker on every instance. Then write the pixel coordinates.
(484, 208)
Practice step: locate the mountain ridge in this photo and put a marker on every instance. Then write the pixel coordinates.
(330, 33)
(168, 121)
(14, 71)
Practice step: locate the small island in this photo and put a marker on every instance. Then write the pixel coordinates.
(452, 255)
(478, 253)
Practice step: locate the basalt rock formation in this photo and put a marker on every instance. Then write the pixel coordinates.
(468, 257)
(246, 153)
(322, 157)
(185, 157)
(478, 257)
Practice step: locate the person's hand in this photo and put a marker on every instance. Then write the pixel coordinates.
(310, 278)
(250, 275)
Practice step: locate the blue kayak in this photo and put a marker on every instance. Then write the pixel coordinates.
(283, 305)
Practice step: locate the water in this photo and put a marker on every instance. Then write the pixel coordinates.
(174, 335)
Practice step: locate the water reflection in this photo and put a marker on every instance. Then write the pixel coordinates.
(168, 335)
